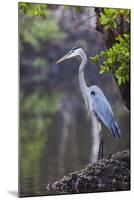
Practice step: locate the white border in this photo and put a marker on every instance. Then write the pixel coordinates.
(9, 98)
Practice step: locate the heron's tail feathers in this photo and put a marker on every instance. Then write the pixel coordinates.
(115, 130)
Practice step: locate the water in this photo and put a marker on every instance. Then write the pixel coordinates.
(48, 152)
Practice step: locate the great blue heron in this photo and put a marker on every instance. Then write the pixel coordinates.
(95, 100)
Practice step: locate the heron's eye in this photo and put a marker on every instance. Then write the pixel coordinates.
(92, 93)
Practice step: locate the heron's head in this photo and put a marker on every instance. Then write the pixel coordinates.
(76, 51)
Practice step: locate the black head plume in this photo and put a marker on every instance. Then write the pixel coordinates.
(74, 48)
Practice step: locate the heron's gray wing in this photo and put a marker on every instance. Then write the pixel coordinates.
(102, 109)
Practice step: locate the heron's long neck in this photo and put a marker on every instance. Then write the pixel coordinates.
(82, 82)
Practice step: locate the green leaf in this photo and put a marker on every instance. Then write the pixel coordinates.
(119, 81)
(103, 19)
(103, 69)
(103, 53)
(114, 25)
(95, 59)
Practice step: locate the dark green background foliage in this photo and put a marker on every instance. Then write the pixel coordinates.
(33, 9)
(37, 107)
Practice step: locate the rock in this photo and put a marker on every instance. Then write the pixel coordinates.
(112, 174)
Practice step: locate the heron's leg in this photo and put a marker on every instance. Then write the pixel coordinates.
(100, 152)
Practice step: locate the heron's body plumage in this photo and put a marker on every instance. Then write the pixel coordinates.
(101, 107)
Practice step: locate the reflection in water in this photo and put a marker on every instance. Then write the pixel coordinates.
(36, 116)
(68, 127)
(57, 141)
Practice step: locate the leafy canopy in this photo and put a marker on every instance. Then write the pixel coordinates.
(33, 9)
(116, 58)
(108, 18)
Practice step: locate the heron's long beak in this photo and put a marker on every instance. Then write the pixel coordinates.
(62, 59)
